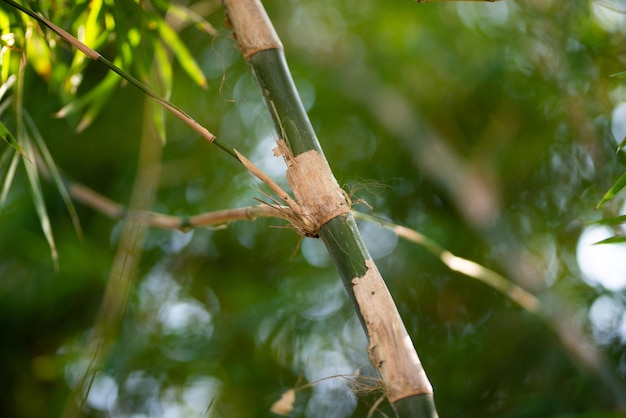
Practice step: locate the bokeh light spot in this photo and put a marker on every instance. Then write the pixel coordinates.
(602, 265)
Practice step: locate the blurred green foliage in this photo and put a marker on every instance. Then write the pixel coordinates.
(489, 127)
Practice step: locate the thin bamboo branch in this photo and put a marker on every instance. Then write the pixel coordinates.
(517, 294)
(114, 210)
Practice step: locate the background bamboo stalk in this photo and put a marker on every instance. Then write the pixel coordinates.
(123, 272)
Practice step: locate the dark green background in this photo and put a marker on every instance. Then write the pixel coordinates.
(518, 95)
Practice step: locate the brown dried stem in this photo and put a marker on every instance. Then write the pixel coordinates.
(114, 210)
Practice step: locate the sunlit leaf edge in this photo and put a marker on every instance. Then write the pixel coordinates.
(621, 74)
(10, 173)
(53, 171)
(609, 221)
(619, 185)
(184, 57)
(621, 145)
(187, 14)
(38, 200)
(8, 137)
(612, 240)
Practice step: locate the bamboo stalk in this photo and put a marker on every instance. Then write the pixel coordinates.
(324, 207)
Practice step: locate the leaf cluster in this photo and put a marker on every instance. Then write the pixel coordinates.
(141, 46)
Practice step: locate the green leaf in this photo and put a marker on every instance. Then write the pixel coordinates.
(54, 172)
(619, 75)
(185, 14)
(100, 97)
(91, 34)
(38, 52)
(612, 240)
(164, 68)
(609, 221)
(10, 173)
(184, 57)
(10, 139)
(165, 76)
(7, 40)
(40, 206)
(619, 185)
(621, 145)
(94, 100)
(7, 85)
(158, 119)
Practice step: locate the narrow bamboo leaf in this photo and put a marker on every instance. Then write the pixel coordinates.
(185, 14)
(164, 68)
(158, 120)
(10, 139)
(184, 57)
(609, 221)
(35, 186)
(93, 29)
(56, 29)
(619, 185)
(619, 75)
(5, 24)
(91, 35)
(10, 174)
(5, 64)
(165, 77)
(7, 40)
(612, 240)
(38, 52)
(94, 99)
(621, 145)
(54, 172)
(4, 105)
(188, 120)
(99, 98)
(7, 85)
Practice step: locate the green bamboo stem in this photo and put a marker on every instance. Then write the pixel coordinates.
(324, 212)
(273, 76)
(348, 254)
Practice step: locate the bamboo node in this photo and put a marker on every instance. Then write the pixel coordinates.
(317, 192)
(318, 197)
(252, 37)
